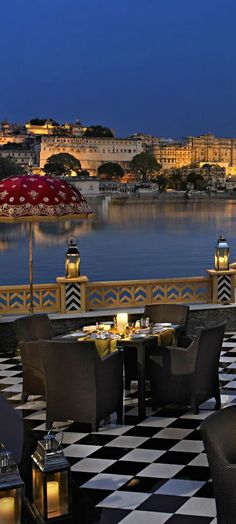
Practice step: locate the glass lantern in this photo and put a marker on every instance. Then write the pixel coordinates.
(51, 481)
(72, 262)
(11, 489)
(221, 255)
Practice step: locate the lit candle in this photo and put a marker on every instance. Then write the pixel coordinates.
(122, 322)
(7, 512)
(53, 496)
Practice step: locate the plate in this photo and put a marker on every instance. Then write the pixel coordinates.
(163, 324)
(76, 334)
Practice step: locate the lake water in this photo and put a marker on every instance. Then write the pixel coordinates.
(126, 240)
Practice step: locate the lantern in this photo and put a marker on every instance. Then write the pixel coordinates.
(51, 481)
(72, 262)
(121, 322)
(221, 255)
(11, 489)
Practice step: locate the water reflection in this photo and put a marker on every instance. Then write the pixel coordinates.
(126, 239)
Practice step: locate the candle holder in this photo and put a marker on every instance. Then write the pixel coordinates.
(221, 255)
(11, 489)
(51, 481)
(72, 261)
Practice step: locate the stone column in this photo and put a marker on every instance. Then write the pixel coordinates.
(73, 293)
(222, 285)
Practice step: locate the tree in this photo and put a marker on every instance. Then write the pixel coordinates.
(196, 180)
(162, 182)
(42, 121)
(176, 179)
(214, 173)
(62, 164)
(110, 171)
(9, 168)
(144, 165)
(98, 131)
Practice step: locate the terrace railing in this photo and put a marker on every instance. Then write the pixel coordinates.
(16, 299)
(78, 294)
(134, 293)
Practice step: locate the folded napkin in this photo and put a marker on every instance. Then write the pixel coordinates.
(105, 346)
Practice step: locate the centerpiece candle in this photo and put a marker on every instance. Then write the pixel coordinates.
(122, 322)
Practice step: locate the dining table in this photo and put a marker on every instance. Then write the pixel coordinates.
(142, 341)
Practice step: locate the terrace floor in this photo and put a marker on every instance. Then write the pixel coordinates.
(151, 472)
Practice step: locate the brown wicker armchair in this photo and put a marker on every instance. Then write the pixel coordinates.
(219, 436)
(80, 385)
(188, 376)
(30, 328)
(174, 313)
(33, 327)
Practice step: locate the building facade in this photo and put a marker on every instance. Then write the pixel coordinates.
(22, 157)
(171, 154)
(210, 149)
(91, 152)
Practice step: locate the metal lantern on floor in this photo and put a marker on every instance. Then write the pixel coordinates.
(11, 489)
(221, 255)
(72, 263)
(51, 481)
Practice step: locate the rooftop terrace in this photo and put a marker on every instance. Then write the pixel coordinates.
(152, 472)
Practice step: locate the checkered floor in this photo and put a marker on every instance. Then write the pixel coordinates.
(151, 472)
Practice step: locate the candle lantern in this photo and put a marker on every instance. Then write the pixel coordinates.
(51, 481)
(121, 322)
(11, 489)
(221, 255)
(72, 262)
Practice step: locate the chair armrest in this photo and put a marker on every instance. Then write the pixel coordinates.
(184, 341)
(180, 361)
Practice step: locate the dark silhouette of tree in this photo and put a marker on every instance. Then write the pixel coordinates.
(144, 165)
(162, 182)
(62, 164)
(9, 168)
(196, 180)
(98, 131)
(42, 121)
(110, 171)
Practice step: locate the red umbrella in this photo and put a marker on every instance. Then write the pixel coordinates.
(35, 198)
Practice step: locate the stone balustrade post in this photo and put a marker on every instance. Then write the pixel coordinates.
(73, 294)
(222, 285)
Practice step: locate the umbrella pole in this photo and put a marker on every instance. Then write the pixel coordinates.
(31, 306)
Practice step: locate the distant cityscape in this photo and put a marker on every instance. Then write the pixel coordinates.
(30, 145)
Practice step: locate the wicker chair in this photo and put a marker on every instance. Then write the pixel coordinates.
(31, 328)
(80, 385)
(174, 313)
(188, 376)
(219, 437)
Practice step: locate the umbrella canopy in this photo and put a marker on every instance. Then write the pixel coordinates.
(35, 198)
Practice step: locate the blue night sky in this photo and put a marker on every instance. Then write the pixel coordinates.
(165, 67)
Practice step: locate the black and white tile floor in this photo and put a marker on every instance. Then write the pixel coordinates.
(150, 472)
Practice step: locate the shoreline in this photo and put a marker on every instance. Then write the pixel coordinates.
(121, 198)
